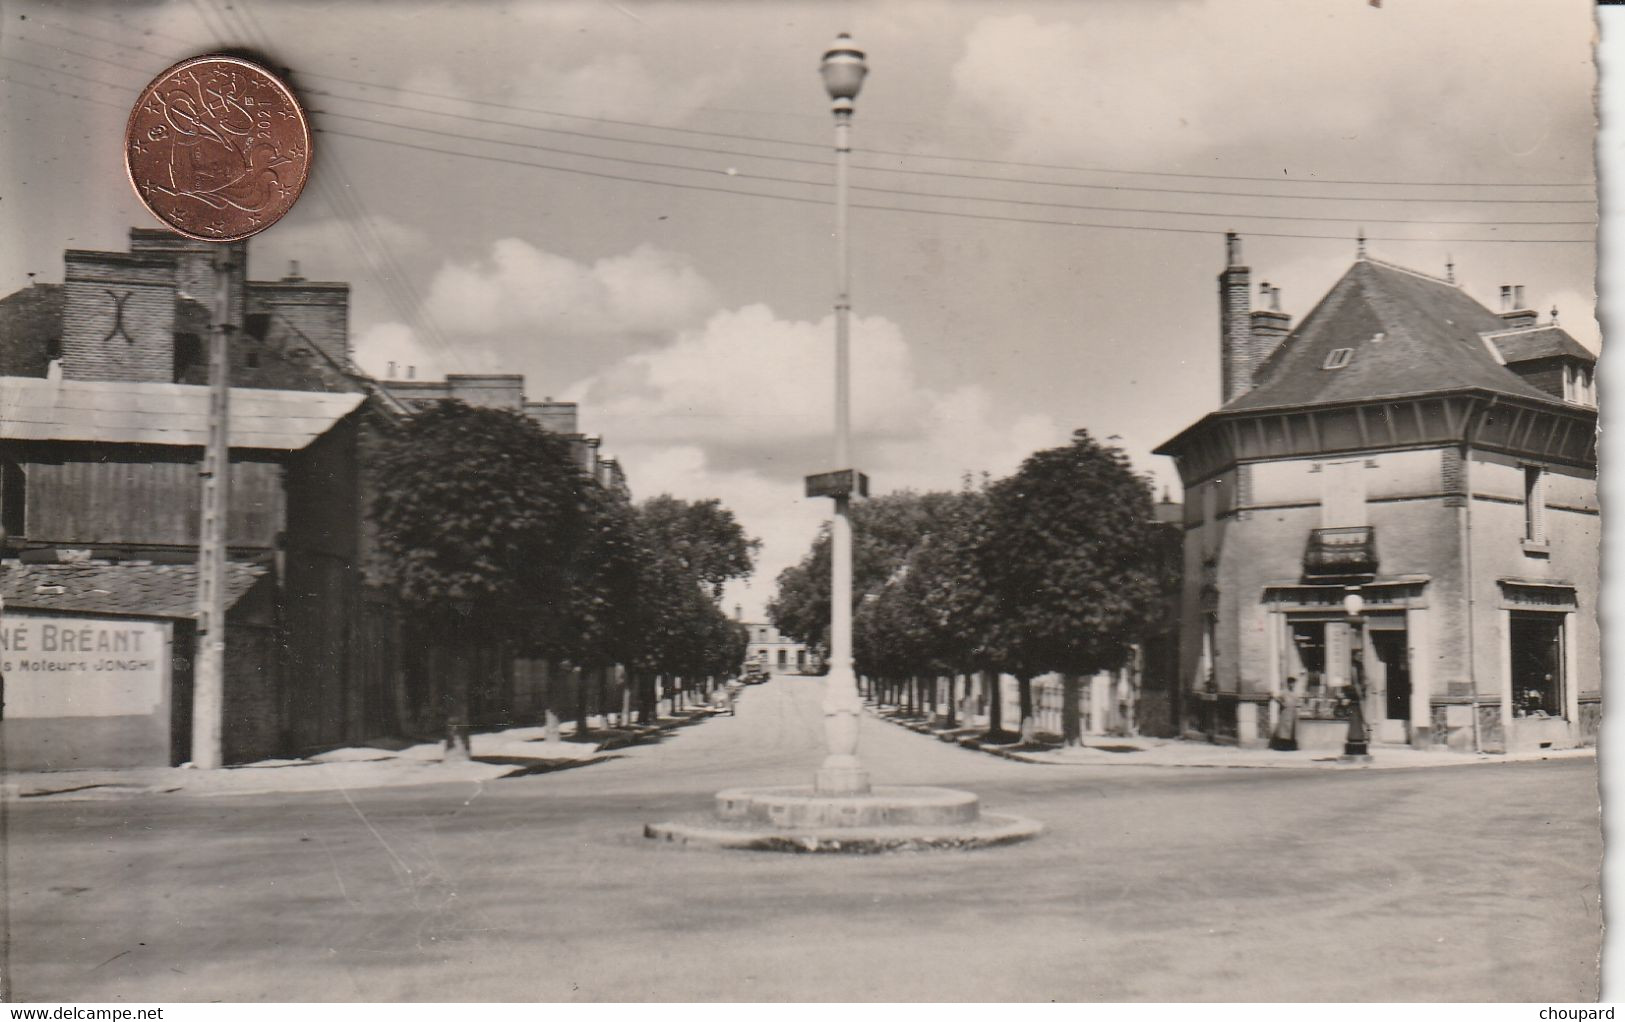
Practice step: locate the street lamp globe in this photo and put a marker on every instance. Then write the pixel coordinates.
(1353, 602)
(843, 70)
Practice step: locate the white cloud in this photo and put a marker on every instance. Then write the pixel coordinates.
(1304, 86)
(742, 407)
(1086, 81)
(772, 510)
(328, 247)
(746, 379)
(620, 85)
(519, 288)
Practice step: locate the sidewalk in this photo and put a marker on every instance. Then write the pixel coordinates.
(1112, 750)
(513, 752)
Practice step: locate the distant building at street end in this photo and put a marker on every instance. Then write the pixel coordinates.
(1397, 498)
(777, 653)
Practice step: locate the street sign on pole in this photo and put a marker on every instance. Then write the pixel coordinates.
(846, 482)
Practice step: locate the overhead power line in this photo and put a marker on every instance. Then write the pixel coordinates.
(993, 178)
(1232, 215)
(767, 140)
(824, 164)
(928, 212)
(351, 212)
(952, 156)
(59, 92)
(432, 335)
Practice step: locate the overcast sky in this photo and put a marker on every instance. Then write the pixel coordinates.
(1073, 167)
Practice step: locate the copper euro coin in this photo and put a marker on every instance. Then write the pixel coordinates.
(217, 148)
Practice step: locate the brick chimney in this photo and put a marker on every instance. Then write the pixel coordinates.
(118, 316)
(1514, 313)
(196, 267)
(1235, 326)
(320, 310)
(1270, 327)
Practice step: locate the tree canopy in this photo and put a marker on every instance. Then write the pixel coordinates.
(480, 516)
(702, 536)
(884, 530)
(1069, 560)
(495, 540)
(929, 614)
(1057, 568)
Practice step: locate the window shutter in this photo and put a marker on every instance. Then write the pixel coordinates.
(1342, 495)
(1534, 498)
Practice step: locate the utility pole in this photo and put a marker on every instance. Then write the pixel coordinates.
(209, 670)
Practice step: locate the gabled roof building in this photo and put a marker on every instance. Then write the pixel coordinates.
(1397, 499)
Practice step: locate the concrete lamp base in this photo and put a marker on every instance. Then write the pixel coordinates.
(884, 819)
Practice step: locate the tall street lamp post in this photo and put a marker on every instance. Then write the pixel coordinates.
(841, 812)
(1357, 745)
(843, 70)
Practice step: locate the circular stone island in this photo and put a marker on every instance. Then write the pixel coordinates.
(885, 819)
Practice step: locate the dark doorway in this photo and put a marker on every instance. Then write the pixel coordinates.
(1537, 665)
(188, 353)
(1396, 666)
(13, 501)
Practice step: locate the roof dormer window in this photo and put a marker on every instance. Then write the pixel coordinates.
(1578, 386)
(1337, 358)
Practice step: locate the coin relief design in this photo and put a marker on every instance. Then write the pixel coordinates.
(217, 148)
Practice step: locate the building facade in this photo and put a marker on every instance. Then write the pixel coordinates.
(1396, 502)
(100, 486)
(507, 391)
(777, 653)
(101, 440)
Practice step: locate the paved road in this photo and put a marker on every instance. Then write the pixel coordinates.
(1440, 884)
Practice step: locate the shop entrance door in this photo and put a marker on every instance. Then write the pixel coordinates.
(1390, 681)
(1537, 665)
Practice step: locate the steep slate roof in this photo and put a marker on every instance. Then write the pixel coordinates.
(1410, 334)
(146, 590)
(1539, 342)
(164, 413)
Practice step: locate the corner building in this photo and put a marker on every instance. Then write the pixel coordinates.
(1407, 446)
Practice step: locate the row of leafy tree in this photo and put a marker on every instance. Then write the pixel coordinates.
(494, 538)
(1057, 568)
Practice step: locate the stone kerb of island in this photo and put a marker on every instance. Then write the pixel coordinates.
(882, 807)
(885, 819)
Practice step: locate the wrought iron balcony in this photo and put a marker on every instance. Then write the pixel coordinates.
(1348, 550)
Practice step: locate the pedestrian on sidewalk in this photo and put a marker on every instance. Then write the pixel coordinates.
(1285, 736)
(733, 688)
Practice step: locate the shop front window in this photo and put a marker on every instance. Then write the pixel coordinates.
(1320, 658)
(1537, 665)
(1307, 659)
